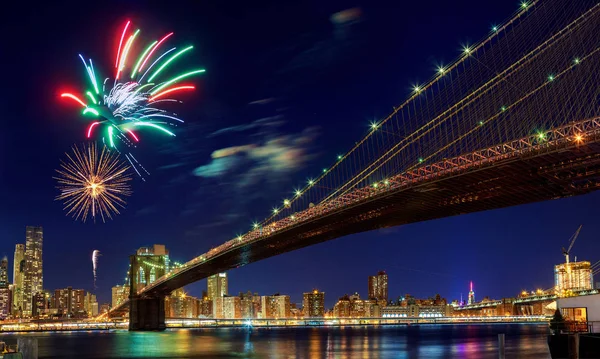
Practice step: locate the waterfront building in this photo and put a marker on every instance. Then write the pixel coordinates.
(378, 287)
(70, 302)
(573, 276)
(206, 307)
(275, 306)
(33, 281)
(18, 280)
(471, 299)
(217, 285)
(313, 304)
(247, 303)
(232, 307)
(42, 306)
(341, 309)
(5, 294)
(119, 295)
(90, 305)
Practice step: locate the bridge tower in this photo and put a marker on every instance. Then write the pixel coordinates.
(147, 311)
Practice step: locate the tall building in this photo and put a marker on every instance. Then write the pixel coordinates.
(471, 299)
(314, 304)
(5, 295)
(90, 305)
(18, 279)
(217, 285)
(34, 280)
(119, 295)
(573, 276)
(378, 287)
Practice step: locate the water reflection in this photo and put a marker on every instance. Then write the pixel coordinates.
(426, 341)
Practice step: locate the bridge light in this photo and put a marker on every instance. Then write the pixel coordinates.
(576, 61)
(550, 77)
(578, 138)
(420, 160)
(324, 170)
(375, 185)
(374, 126)
(298, 192)
(494, 28)
(311, 182)
(255, 225)
(467, 50)
(503, 108)
(541, 135)
(239, 237)
(386, 182)
(417, 88)
(441, 70)
(275, 210)
(524, 4)
(293, 217)
(480, 123)
(339, 157)
(286, 202)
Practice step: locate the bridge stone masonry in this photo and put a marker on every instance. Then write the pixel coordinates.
(514, 120)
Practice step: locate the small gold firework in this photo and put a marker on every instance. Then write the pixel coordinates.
(93, 183)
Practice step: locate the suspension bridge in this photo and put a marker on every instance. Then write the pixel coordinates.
(514, 119)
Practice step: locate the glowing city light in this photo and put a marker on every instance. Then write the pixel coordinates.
(578, 138)
(541, 135)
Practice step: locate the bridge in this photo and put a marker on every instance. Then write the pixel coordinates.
(514, 119)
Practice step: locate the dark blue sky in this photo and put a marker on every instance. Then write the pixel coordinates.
(313, 79)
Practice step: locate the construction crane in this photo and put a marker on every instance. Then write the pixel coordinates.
(572, 239)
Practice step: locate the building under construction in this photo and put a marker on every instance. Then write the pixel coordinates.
(573, 276)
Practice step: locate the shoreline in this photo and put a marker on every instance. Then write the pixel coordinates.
(201, 324)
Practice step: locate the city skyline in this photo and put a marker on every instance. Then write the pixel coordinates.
(183, 207)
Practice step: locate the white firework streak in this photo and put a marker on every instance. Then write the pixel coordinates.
(95, 255)
(124, 100)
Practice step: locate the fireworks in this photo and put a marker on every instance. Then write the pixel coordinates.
(132, 100)
(93, 182)
(95, 255)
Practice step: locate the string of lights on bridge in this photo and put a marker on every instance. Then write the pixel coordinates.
(441, 71)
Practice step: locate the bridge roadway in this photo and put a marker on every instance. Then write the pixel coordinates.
(557, 163)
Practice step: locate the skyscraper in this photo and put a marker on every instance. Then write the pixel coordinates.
(18, 279)
(119, 295)
(471, 299)
(217, 285)
(34, 280)
(314, 304)
(5, 297)
(378, 287)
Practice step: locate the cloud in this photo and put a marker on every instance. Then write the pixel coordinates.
(266, 121)
(261, 161)
(216, 168)
(264, 101)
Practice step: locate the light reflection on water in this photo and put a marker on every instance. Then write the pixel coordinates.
(425, 341)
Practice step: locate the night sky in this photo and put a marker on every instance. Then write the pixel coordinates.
(276, 72)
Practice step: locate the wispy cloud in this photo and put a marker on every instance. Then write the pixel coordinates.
(261, 161)
(267, 121)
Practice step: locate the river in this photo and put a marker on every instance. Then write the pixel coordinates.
(474, 341)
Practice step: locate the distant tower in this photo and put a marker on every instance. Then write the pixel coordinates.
(471, 295)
